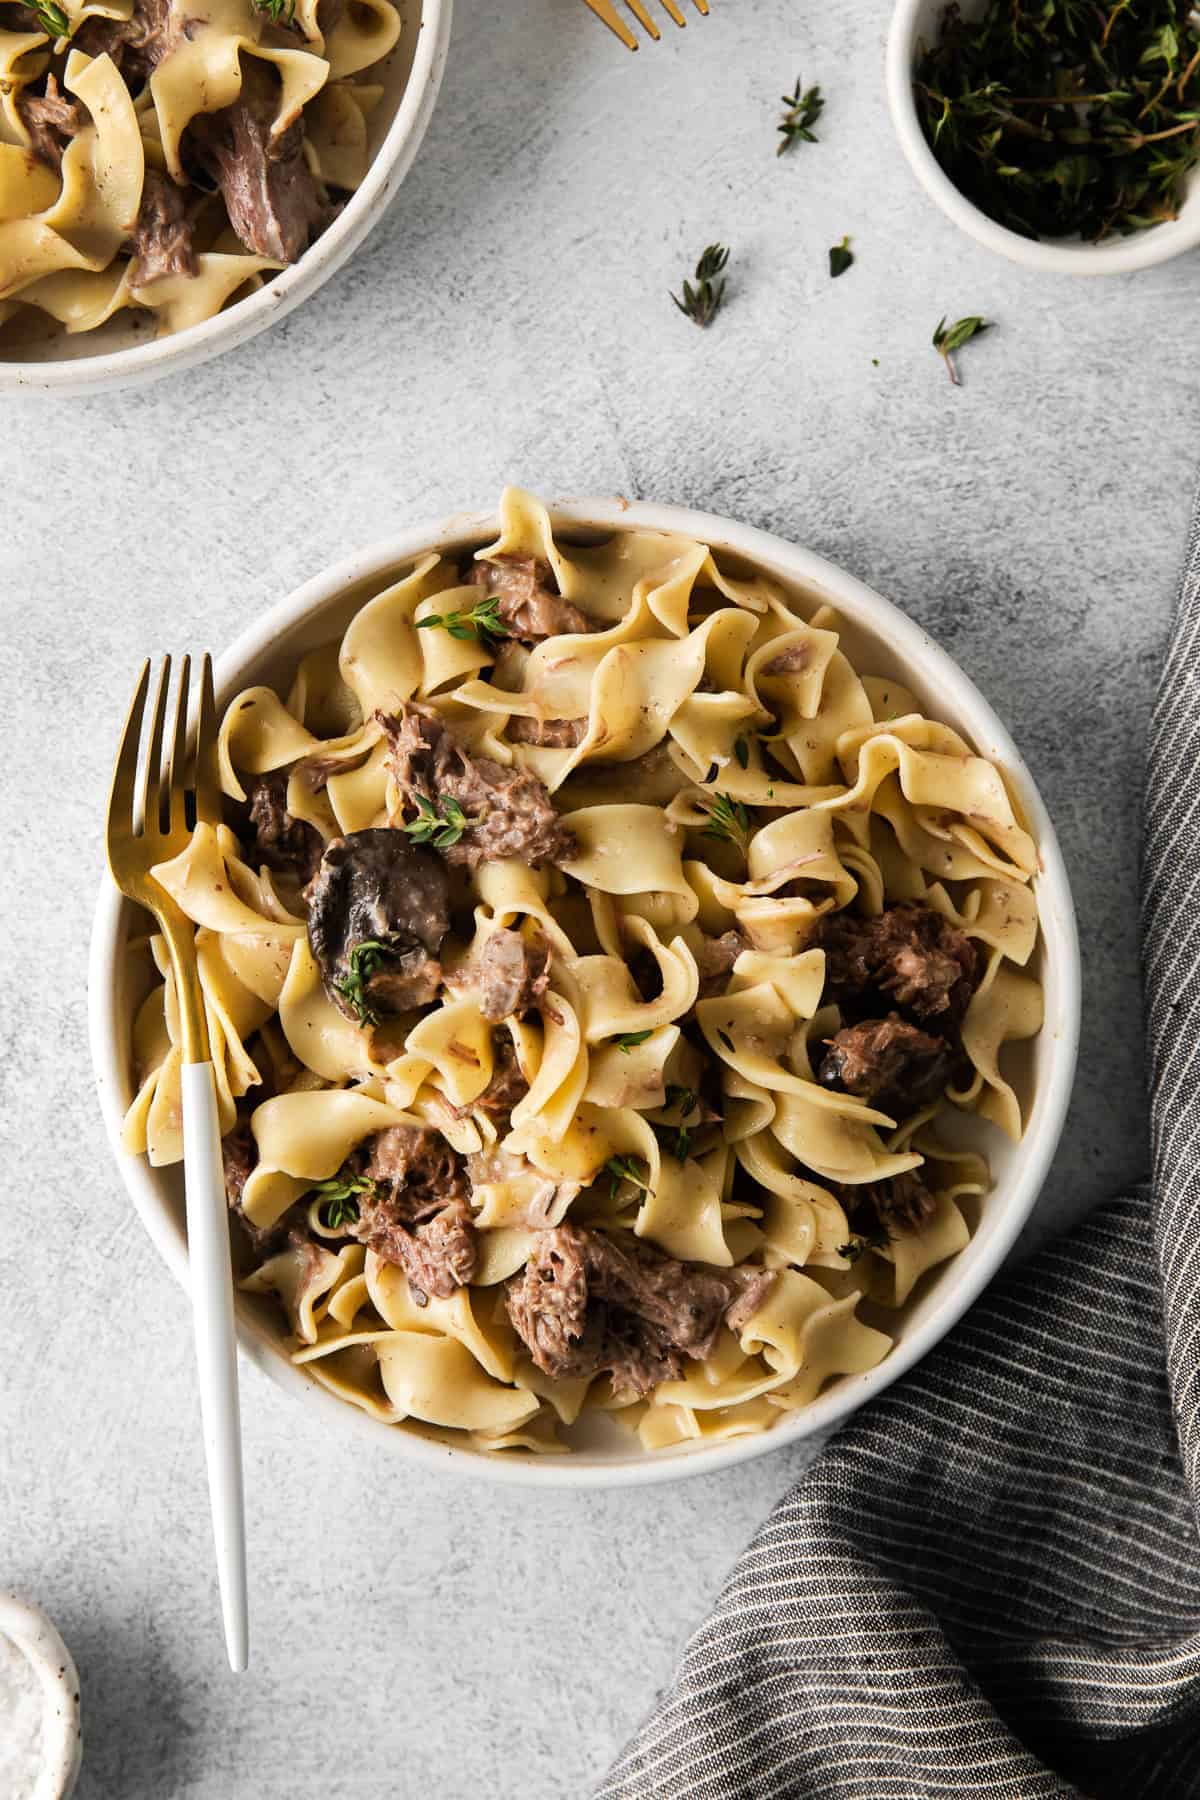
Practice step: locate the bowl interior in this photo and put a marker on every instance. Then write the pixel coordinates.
(880, 641)
(917, 22)
(36, 339)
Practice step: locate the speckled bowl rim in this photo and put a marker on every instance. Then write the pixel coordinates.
(1010, 1202)
(35, 1634)
(1143, 250)
(140, 363)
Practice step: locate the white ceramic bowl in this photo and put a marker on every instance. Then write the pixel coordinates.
(318, 612)
(35, 1636)
(125, 352)
(916, 21)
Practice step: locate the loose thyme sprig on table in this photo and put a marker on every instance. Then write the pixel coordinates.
(441, 829)
(480, 621)
(1064, 118)
(802, 108)
(701, 303)
(948, 339)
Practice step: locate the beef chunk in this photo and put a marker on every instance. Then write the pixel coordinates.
(529, 605)
(910, 952)
(513, 971)
(239, 1154)
(285, 845)
(377, 894)
(510, 811)
(415, 1214)
(715, 959)
(548, 734)
(896, 1066)
(51, 120)
(584, 1304)
(506, 1088)
(138, 44)
(902, 1203)
(274, 202)
(162, 236)
(788, 662)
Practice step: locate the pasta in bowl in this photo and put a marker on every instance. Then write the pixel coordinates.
(173, 177)
(642, 1023)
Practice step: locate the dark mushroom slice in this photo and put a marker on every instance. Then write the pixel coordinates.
(377, 913)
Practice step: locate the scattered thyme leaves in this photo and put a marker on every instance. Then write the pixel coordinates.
(948, 339)
(441, 829)
(624, 1168)
(701, 303)
(727, 818)
(362, 964)
(1059, 118)
(802, 108)
(629, 1040)
(52, 19)
(338, 1202)
(840, 258)
(481, 621)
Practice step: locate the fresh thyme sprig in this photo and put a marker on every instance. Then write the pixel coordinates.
(629, 1040)
(841, 256)
(441, 829)
(363, 962)
(280, 12)
(727, 818)
(338, 1205)
(948, 339)
(481, 621)
(624, 1168)
(803, 107)
(702, 302)
(52, 19)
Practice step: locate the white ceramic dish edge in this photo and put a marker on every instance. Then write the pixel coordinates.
(138, 364)
(975, 1266)
(62, 1742)
(913, 20)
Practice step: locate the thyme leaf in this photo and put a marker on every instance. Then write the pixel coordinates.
(363, 962)
(701, 303)
(948, 339)
(52, 19)
(625, 1168)
(338, 1203)
(840, 258)
(280, 12)
(802, 108)
(727, 818)
(629, 1040)
(481, 621)
(441, 829)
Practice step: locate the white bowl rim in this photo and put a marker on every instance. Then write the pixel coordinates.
(293, 285)
(1056, 908)
(1142, 250)
(36, 1636)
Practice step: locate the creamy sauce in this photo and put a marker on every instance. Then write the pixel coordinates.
(22, 1705)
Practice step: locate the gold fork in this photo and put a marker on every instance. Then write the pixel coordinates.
(149, 822)
(604, 9)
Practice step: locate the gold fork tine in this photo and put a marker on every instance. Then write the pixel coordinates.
(643, 17)
(670, 7)
(608, 14)
(208, 775)
(177, 769)
(124, 781)
(152, 774)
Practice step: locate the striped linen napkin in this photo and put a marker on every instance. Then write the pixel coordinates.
(989, 1584)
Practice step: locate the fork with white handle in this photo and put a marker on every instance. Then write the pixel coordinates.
(616, 22)
(149, 822)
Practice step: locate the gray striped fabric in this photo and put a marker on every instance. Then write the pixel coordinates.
(989, 1585)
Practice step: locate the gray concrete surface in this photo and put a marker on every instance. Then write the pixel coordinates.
(510, 320)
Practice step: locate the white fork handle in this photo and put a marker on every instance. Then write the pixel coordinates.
(216, 1346)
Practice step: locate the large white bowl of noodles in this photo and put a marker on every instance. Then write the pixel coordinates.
(125, 351)
(1041, 1070)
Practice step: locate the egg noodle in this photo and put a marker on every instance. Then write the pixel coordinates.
(67, 233)
(733, 773)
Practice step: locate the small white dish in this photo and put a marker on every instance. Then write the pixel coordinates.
(125, 353)
(917, 21)
(28, 1629)
(891, 644)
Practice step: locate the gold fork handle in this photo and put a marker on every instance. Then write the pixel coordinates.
(211, 1280)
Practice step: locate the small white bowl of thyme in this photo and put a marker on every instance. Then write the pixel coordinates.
(1064, 138)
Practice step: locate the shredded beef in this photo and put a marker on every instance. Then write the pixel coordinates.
(896, 1066)
(506, 1088)
(902, 1203)
(584, 1304)
(274, 202)
(789, 661)
(284, 844)
(909, 952)
(415, 1169)
(414, 1214)
(162, 236)
(375, 888)
(239, 1154)
(529, 606)
(513, 973)
(715, 959)
(138, 44)
(51, 120)
(510, 811)
(548, 734)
